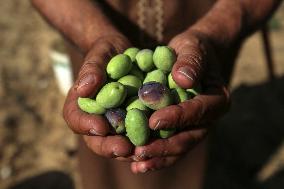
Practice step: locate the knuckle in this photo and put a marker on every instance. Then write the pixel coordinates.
(180, 42)
(189, 39)
(92, 69)
(194, 58)
(88, 67)
(85, 68)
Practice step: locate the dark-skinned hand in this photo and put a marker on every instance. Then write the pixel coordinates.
(196, 64)
(92, 76)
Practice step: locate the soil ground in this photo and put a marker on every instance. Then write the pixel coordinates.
(34, 138)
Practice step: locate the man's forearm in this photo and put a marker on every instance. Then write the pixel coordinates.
(80, 21)
(231, 20)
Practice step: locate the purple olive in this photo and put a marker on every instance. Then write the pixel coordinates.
(116, 118)
(155, 95)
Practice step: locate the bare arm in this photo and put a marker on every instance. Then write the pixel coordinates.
(229, 21)
(80, 21)
(84, 24)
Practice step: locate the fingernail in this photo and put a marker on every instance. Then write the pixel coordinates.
(187, 72)
(93, 132)
(143, 169)
(159, 124)
(142, 155)
(116, 154)
(85, 81)
(135, 158)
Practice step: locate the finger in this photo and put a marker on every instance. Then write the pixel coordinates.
(178, 144)
(81, 122)
(90, 79)
(92, 74)
(202, 109)
(109, 146)
(191, 61)
(153, 164)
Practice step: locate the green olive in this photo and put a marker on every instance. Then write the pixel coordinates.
(134, 102)
(194, 91)
(111, 95)
(157, 76)
(131, 52)
(179, 95)
(144, 59)
(166, 133)
(172, 84)
(137, 72)
(119, 66)
(90, 106)
(132, 84)
(164, 58)
(137, 129)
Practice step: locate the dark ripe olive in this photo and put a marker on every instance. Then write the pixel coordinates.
(116, 118)
(155, 95)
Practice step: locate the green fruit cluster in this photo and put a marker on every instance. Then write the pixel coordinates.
(139, 82)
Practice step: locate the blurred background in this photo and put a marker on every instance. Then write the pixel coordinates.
(246, 150)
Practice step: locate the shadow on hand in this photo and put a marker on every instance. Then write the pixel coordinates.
(247, 137)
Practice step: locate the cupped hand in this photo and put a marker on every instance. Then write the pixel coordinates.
(91, 78)
(197, 63)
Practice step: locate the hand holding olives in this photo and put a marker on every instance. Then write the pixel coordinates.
(137, 85)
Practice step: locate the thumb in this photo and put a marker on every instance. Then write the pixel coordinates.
(92, 74)
(191, 60)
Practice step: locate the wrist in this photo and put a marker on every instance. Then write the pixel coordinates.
(222, 25)
(82, 28)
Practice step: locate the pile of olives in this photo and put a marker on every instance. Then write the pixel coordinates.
(139, 82)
